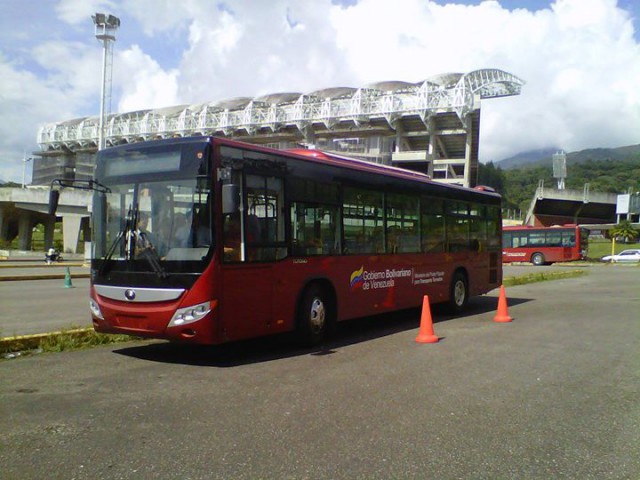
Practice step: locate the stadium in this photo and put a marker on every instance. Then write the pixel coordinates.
(431, 126)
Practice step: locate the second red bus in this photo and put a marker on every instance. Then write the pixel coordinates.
(544, 245)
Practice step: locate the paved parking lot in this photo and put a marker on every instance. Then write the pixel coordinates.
(554, 394)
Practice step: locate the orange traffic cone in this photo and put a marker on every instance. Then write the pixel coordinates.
(502, 315)
(425, 334)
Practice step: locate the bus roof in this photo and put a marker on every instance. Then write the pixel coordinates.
(321, 158)
(531, 227)
(327, 158)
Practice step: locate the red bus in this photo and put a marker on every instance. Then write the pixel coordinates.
(544, 245)
(248, 241)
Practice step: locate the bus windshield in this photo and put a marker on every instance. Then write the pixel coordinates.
(151, 225)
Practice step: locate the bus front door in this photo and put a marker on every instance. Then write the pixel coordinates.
(253, 240)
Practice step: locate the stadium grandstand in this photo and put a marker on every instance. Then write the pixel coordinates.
(431, 126)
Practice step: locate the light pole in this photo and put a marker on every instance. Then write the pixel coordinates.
(24, 169)
(105, 27)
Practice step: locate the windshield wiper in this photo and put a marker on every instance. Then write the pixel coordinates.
(130, 221)
(151, 256)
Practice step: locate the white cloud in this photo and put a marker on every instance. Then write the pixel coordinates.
(75, 12)
(143, 83)
(70, 68)
(578, 57)
(253, 49)
(28, 101)
(580, 60)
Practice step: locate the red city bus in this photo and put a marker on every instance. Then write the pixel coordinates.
(544, 245)
(208, 240)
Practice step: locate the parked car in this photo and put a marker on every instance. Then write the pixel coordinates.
(624, 256)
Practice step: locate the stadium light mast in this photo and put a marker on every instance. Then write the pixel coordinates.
(105, 31)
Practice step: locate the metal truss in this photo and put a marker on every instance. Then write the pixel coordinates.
(303, 112)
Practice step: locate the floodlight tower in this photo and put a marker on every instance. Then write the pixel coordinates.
(106, 27)
(560, 168)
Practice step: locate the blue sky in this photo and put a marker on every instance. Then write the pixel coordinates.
(580, 60)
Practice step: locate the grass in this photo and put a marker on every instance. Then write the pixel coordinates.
(69, 339)
(542, 277)
(72, 341)
(600, 248)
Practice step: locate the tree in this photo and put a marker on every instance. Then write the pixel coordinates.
(624, 230)
(492, 177)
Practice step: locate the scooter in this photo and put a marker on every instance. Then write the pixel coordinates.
(52, 256)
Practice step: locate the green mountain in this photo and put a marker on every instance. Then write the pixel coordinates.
(540, 157)
(609, 170)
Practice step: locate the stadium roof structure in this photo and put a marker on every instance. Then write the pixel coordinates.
(432, 125)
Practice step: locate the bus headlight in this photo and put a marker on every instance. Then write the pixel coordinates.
(95, 309)
(189, 314)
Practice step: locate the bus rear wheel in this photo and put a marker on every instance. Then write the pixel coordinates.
(459, 293)
(537, 259)
(314, 316)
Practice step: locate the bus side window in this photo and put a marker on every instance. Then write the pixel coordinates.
(314, 229)
(432, 225)
(363, 220)
(568, 240)
(507, 240)
(264, 231)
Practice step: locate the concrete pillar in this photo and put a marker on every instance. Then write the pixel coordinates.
(399, 136)
(431, 152)
(4, 224)
(71, 232)
(309, 135)
(86, 228)
(86, 233)
(25, 231)
(467, 153)
(49, 227)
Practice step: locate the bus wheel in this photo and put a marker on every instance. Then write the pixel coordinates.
(314, 316)
(459, 293)
(537, 259)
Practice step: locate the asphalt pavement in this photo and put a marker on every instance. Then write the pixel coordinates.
(38, 298)
(553, 394)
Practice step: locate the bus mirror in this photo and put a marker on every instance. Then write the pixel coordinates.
(54, 198)
(230, 198)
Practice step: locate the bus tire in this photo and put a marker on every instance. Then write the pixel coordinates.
(458, 292)
(538, 259)
(314, 316)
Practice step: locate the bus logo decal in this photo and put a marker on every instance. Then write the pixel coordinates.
(356, 278)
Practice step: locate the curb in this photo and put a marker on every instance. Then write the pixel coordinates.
(45, 276)
(31, 342)
(44, 265)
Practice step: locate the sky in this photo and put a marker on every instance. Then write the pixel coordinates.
(580, 60)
